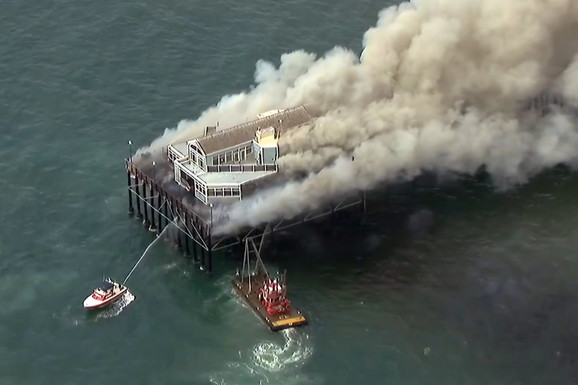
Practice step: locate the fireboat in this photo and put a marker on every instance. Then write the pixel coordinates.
(266, 295)
(106, 294)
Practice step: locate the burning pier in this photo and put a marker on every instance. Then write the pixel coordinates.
(208, 174)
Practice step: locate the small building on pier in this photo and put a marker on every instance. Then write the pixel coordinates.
(222, 165)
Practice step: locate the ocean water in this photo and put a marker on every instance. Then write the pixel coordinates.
(461, 285)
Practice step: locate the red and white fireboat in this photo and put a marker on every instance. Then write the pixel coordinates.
(106, 294)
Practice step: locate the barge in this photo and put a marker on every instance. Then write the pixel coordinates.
(266, 295)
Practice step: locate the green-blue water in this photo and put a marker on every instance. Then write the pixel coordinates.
(467, 287)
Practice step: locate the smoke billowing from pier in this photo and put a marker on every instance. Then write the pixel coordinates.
(440, 86)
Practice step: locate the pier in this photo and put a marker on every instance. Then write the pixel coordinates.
(159, 204)
(194, 182)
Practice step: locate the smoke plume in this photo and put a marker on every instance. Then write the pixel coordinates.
(441, 86)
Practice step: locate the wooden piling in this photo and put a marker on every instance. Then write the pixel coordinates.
(166, 209)
(130, 207)
(179, 233)
(137, 187)
(202, 257)
(159, 216)
(210, 251)
(152, 226)
(145, 210)
(187, 228)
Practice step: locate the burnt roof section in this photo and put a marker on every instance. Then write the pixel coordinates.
(245, 132)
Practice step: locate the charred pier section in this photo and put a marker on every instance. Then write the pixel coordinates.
(159, 203)
(210, 173)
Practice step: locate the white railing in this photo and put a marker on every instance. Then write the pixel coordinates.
(242, 168)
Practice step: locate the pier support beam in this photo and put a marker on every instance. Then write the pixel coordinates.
(202, 267)
(210, 252)
(138, 199)
(182, 236)
(166, 210)
(152, 226)
(130, 208)
(159, 217)
(188, 227)
(145, 210)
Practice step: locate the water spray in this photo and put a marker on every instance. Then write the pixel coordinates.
(143, 255)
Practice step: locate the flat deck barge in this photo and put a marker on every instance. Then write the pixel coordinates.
(250, 293)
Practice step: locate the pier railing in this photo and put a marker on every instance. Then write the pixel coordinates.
(242, 168)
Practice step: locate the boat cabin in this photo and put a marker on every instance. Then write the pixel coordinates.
(272, 295)
(104, 291)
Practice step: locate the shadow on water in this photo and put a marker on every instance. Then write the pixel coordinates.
(397, 219)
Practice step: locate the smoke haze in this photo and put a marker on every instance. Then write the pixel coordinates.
(441, 86)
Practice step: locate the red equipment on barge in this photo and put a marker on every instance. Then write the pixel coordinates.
(272, 295)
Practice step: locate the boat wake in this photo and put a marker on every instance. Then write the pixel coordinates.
(114, 309)
(270, 362)
(70, 317)
(275, 358)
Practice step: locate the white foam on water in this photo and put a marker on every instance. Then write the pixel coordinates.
(116, 308)
(274, 357)
(168, 267)
(269, 362)
(74, 319)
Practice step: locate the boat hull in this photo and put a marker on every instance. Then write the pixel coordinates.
(91, 304)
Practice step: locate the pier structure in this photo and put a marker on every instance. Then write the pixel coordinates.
(195, 181)
(207, 175)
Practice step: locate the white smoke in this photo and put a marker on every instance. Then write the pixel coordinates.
(568, 82)
(268, 94)
(439, 87)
